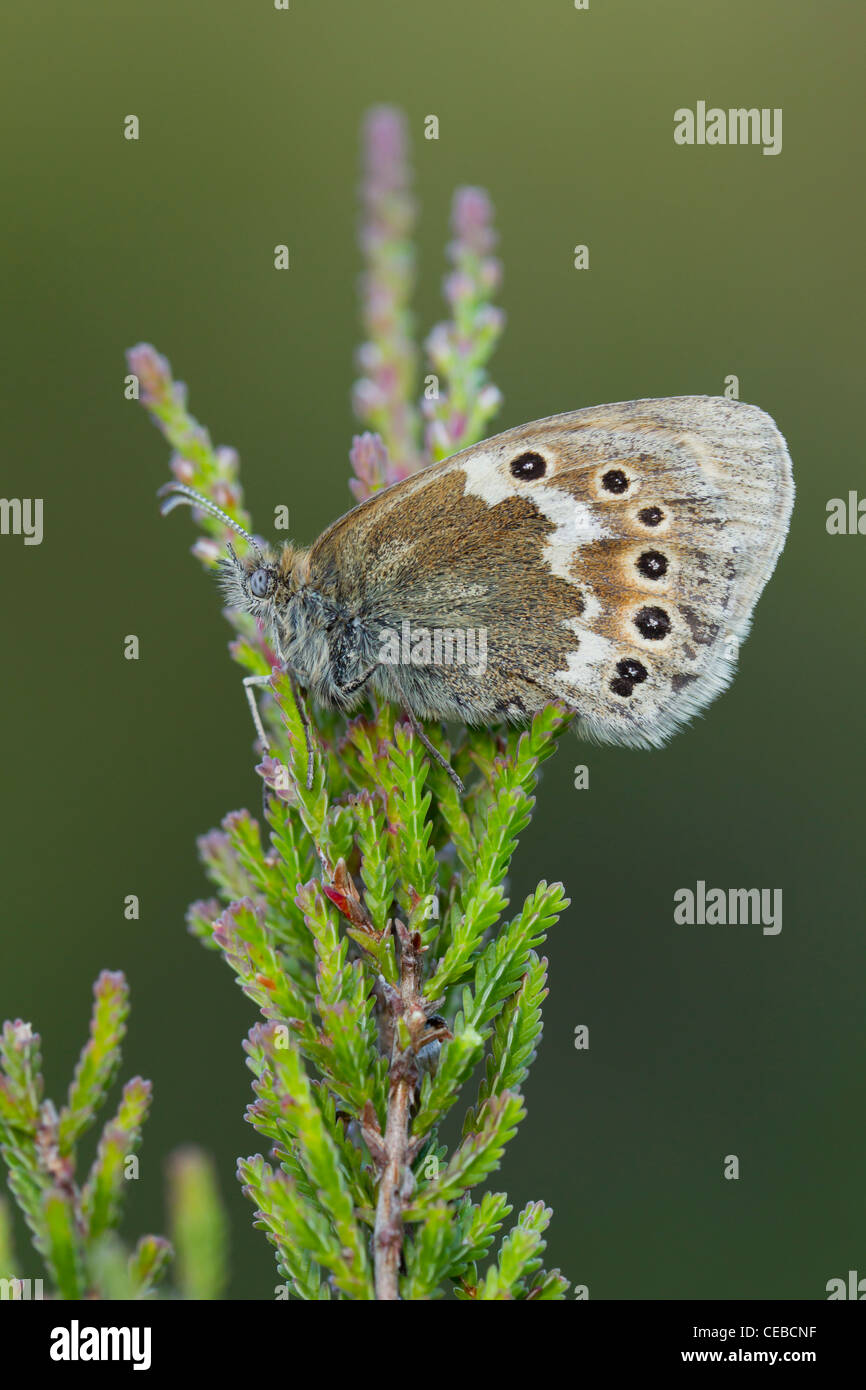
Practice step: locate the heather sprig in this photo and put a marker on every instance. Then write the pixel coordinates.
(367, 917)
(73, 1221)
(195, 461)
(458, 349)
(388, 358)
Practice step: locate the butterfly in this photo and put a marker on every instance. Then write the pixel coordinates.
(609, 559)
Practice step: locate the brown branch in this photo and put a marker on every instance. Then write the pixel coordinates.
(388, 1228)
(405, 1029)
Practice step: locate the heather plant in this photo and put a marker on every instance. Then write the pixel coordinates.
(365, 911)
(72, 1222)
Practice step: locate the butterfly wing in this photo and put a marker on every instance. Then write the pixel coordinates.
(612, 558)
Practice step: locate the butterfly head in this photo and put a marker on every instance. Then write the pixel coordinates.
(259, 582)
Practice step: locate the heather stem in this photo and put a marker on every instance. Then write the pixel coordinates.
(405, 1026)
(388, 1229)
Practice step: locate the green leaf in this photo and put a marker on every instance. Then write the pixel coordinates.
(8, 1262)
(300, 1234)
(121, 1137)
(519, 1259)
(378, 871)
(64, 1253)
(340, 1245)
(431, 1253)
(99, 1060)
(457, 1061)
(480, 1152)
(148, 1264)
(199, 1226)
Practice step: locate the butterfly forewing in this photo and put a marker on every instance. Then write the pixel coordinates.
(612, 556)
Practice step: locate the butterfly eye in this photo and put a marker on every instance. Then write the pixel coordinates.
(528, 466)
(261, 583)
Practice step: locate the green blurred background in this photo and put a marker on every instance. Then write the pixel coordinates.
(704, 262)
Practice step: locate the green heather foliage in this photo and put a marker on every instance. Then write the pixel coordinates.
(73, 1221)
(365, 915)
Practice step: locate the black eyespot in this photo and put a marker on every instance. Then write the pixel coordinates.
(652, 564)
(652, 623)
(651, 516)
(620, 686)
(631, 670)
(261, 583)
(614, 480)
(529, 466)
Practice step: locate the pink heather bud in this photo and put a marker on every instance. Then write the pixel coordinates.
(366, 398)
(379, 305)
(220, 933)
(228, 461)
(457, 425)
(225, 495)
(182, 469)
(439, 343)
(206, 550)
(152, 370)
(208, 908)
(459, 285)
(471, 219)
(396, 471)
(278, 778)
(490, 317)
(439, 441)
(489, 399)
(369, 459)
(384, 142)
(490, 277)
(368, 358)
(212, 845)
(388, 377)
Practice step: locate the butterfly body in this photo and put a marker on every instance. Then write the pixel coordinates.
(607, 558)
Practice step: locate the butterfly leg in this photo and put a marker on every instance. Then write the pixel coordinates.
(355, 685)
(249, 682)
(435, 754)
(306, 723)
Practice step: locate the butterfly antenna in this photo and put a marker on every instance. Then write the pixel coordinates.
(179, 495)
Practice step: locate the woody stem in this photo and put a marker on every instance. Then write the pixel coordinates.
(405, 1024)
(388, 1228)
